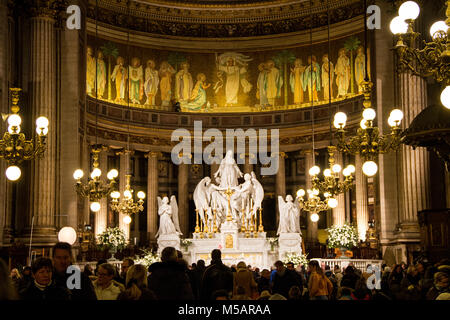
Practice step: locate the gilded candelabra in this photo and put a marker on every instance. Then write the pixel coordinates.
(314, 204)
(368, 142)
(14, 147)
(433, 59)
(331, 186)
(127, 206)
(94, 189)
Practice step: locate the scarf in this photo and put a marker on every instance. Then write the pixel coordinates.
(40, 286)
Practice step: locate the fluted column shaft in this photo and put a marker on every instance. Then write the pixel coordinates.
(152, 195)
(101, 217)
(311, 231)
(248, 166)
(280, 182)
(415, 163)
(42, 87)
(339, 211)
(124, 170)
(183, 198)
(362, 209)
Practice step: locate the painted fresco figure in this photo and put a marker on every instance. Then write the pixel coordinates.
(327, 77)
(360, 68)
(296, 81)
(101, 74)
(183, 83)
(166, 72)
(261, 92)
(311, 79)
(90, 71)
(136, 90)
(274, 82)
(198, 94)
(234, 65)
(151, 83)
(342, 72)
(120, 76)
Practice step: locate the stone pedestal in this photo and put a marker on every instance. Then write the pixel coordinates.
(229, 235)
(168, 240)
(288, 243)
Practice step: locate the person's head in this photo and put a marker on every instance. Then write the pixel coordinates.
(105, 274)
(342, 52)
(220, 295)
(412, 271)
(309, 59)
(150, 64)
(360, 50)
(327, 268)
(15, 274)
(325, 58)
(99, 54)
(420, 267)
(201, 77)
(201, 264)
(298, 62)
(42, 269)
(313, 266)
(230, 61)
(241, 266)
(179, 255)
(247, 177)
(216, 255)
(185, 65)
(261, 66)
(99, 263)
(126, 264)
(89, 51)
(289, 198)
(345, 291)
(279, 265)
(62, 256)
(169, 254)
(349, 270)
(265, 295)
(398, 268)
(136, 274)
(294, 293)
(265, 274)
(135, 62)
(26, 272)
(120, 60)
(290, 266)
(441, 280)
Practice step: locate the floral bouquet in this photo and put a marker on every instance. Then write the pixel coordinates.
(147, 258)
(344, 236)
(186, 243)
(112, 238)
(273, 242)
(296, 259)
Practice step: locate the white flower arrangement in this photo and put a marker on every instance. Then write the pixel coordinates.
(273, 242)
(296, 259)
(344, 236)
(185, 243)
(112, 238)
(147, 258)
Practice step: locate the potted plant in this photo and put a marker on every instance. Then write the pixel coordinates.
(342, 237)
(273, 243)
(112, 239)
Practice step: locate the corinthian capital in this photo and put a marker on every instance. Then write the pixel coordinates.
(45, 8)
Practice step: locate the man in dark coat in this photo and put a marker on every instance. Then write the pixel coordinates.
(62, 259)
(168, 279)
(43, 288)
(284, 279)
(216, 277)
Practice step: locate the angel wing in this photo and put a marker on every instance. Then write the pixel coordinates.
(297, 216)
(257, 192)
(281, 210)
(201, 195)
(174, 205)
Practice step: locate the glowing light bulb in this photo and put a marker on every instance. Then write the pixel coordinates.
(95, 206)
(314, 171)
(42, 122)
(112, 174)
(96, 173)
(398, 26)
(409, 10)
(332, 203)
(78, 174)
(127, 194)
(336, 168)
(351, 168)
(315, 192)
(363, 124)
(115, 194)
(327, 173)
(141, 195)
(369, 114)
(300, 193)
(314, 217)
(13, 129)
(445, 97)
(437, 28)
(369, 168)
(13, 173)
(14, 120)
(127, 219)
(340, 119)
(396, 115)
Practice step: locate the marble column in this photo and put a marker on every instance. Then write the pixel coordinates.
(339, 211)
(248, 166)
(415, 170)
(101, 217)
(362, 209)
(42, 97)
(152, 195)
(311, 231)
(124, 170)
(183, 198)
(280, 182)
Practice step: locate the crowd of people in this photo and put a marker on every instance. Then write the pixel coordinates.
(174, 279)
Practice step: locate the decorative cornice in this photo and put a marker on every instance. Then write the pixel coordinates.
(280, 18)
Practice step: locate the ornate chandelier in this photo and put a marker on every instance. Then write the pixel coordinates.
(314, 204)
(94, 189)
(331, 186)
(14, 147)
(434, 59)
(127, 206)
(368, 142)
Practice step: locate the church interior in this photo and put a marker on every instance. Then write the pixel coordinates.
(110, 106)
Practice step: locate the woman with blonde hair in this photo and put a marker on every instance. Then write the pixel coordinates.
(137, 285)
(244, 278)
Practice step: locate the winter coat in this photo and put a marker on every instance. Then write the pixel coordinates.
(244, 278)
(282, 282)
(51, 292)
(169, 281)
(319, 285)
(216, 277)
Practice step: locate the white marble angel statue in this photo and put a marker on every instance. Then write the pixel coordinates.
(228, 171)
(257, 193)
(168, 212)
(202, 197)
(240, 200)
(289, 215)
